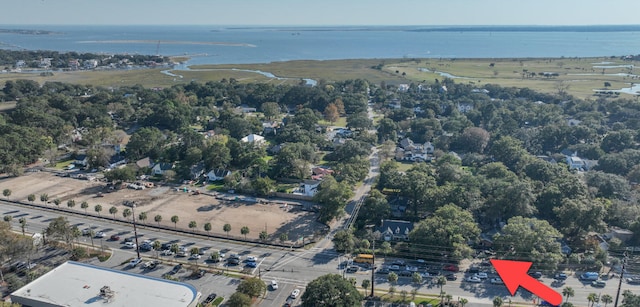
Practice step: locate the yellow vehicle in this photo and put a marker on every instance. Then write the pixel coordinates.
(364, 258)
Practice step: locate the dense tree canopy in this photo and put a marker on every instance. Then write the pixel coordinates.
(449, 230)
(331, 290)
(529, 239)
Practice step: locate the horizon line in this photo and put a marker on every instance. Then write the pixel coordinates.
(331, 25)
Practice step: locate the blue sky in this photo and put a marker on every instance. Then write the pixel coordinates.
(324, 12)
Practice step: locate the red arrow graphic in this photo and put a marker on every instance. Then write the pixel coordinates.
(514, 275)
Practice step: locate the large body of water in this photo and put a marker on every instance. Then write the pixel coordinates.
(236, 45)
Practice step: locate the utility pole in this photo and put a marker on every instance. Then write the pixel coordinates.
(373, 266)
(624, 263)
(135, 230)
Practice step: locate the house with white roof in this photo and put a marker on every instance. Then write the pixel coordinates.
(253, 139)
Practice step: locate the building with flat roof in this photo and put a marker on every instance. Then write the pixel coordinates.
(79, 284)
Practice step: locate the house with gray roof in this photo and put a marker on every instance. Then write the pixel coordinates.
(395, 230)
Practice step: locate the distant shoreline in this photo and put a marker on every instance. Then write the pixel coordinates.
(172, 42)
(28, 32)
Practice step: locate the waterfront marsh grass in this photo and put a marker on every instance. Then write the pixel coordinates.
(578, 73)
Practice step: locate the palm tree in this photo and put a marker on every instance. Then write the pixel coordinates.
(126, 213)
(284, 237)
(113, 210)
(57, 201)
(156, 246)
(44, 198)
(441, 281)
(606, 299)
(244, 231)
(142, 216)
(568, 292)
(227, 228)
(392, 277)
(31, 197)
(463, 301)
(175, 219)
(365, 284)
(158, 219)
(98, 208)
(592, 298)
(207, 227)
(23, 224)
(193, 224)
(84, 205)
(263, 236)
(6, 193)
(497, 301)
(414, 292)
(8, 218)
(392, 290)
(71, 203)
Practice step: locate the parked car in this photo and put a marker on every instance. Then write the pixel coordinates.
(194, 257)
(167, 252)
(128, 240)
(473, 279)
(590, 276)
(133, 263)
(114, 238)
(352, 269)
(451, 268)
(451, 277)
(633, 280)
(382, 271)
(176, 269)
(295, 293)
(251, 259)
(129, 245)
(497, 281)
(481, 275)
(251, 265)
(274, 285)
(100, 234)
(405, 273)
(150, 265)
(560, 276)
(394, 267)
(598, 283)
(86, 231)
(536, 275)
(209, 299)
(398, 262)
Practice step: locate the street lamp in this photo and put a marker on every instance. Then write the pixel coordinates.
(135, 230)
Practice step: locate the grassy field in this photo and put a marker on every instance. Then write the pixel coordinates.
(579, 75)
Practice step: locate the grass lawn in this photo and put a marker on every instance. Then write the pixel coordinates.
(8, 105)
(404, 166)
(217, 301)
(216, 186)
(341, 122)
(63, 164)
(286, 187)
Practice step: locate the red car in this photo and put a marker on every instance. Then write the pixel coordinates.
(451, 268)
(114, 238)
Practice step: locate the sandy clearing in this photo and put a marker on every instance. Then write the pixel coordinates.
(167, 202)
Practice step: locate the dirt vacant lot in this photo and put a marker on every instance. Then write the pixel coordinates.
(167, 202)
